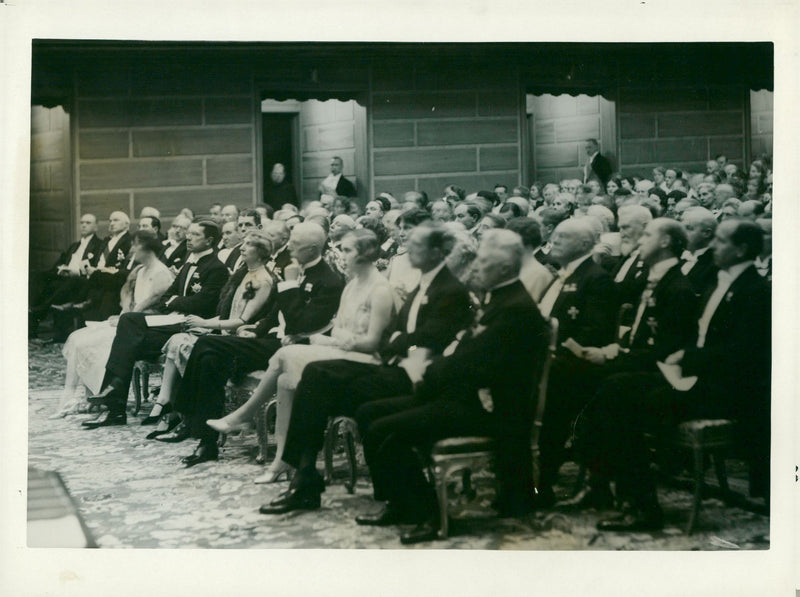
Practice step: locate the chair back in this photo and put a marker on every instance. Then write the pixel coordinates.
(552, 345)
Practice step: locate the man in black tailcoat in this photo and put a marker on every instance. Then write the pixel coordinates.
(597, 167)
(307, 300)
(731, 359)
(481, 385)
(194, 292)
(431, 315)
(63, 282)
(699, 266)
(583, 298)
(664, 320)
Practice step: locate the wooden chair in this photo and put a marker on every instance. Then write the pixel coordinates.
(344, 429)
(706, 436)
(464, 454)
(140, 381)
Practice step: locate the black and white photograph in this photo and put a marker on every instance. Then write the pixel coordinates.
(500, 296)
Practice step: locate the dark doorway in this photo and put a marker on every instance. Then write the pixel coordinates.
(278, 143)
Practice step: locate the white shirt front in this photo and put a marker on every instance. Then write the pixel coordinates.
(725, 278)
(424, 283)
(691, 259)
(75, 261)
(192, 262)
(112, 244)
(331, 181)
(551, 296)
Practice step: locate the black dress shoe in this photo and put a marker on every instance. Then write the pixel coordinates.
(386, 516)
(599, 497)
(166, 425)
(109, 392)
(202, 453)
(425, 531)
(180, 434)
(106, 419)
(302, 498)
(633, 522)
(153, 419)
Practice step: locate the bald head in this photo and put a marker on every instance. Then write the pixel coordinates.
(499, 258)
(662, 239)
(230, 213)
(278, 232)
(572, 239)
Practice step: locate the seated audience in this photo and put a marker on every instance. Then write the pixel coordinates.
(468, 214)
(365, 312)
(482, 385)
(699, 267)
(339, 228)
(665, 319)
(404, 277)
(87, 349)
(65, 281)
(731, 359)
(533, 275)
(174, 247)
(243, 299)
(307, 299)
(231, 241)
(194, 292)
(583, 299)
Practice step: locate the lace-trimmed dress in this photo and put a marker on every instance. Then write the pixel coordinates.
(86, 350)
(179, 347)
(352, 319)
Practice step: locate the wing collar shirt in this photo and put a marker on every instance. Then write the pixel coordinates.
(192, 260)
(424, 283)
(724, 280)
(550, 297)
(112, 244)
(691, 259)
(75, 261)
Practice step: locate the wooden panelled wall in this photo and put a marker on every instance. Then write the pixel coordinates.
(680, 128)
(50, 227)
(761, 114)
(151, 136)
(430, 128)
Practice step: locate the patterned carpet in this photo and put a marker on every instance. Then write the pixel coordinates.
(134, 493)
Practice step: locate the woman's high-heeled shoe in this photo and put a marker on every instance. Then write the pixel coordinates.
(152, 419)
(168, 423)
(222, 426)
(274, 475)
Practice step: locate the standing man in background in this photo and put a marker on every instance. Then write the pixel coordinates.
(597, 167)
(336, 183)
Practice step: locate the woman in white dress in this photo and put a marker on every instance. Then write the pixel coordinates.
(87, 349)
(365, 313)
(403, 277)
(242, 300)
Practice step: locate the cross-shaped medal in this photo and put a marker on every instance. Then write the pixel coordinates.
(573, 312)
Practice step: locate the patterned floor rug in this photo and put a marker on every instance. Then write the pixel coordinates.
(134, 493)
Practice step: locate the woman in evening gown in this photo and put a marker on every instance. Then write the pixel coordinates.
(243, 299)
(365, 312)
(87, 349)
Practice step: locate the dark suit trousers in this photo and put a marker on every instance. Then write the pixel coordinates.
(392, 428)
(331, 388)
(612, 428)
(214, 360)
(132, 342)
(571, 386)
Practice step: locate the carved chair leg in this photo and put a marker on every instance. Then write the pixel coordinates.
(350, 449)
(441, 474)
(331, 433)
(722, 474)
